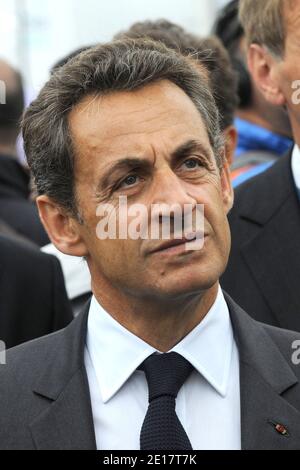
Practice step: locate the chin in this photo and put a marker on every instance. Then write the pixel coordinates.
(184, 287)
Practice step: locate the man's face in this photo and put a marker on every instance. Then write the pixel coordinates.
(151, 146)
(288, 70)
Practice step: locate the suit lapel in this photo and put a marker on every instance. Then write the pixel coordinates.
(282, 250)
(265, 376)
(262, 409)
(66, 422)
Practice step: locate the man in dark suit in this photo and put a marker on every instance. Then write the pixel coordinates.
(33, 300)
(16, 208)
(160, 347)
(264, 267)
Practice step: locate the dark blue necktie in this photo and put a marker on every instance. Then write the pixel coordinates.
(162, 430)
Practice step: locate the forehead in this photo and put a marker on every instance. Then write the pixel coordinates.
(122, 122)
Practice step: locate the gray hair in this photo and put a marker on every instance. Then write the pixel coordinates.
(123, 65)
(264, 23)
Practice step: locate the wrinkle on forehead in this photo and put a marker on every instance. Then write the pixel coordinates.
(128, 116)
(95, 137)
(145, 97)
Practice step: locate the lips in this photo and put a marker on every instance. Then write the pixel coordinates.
(172, 244)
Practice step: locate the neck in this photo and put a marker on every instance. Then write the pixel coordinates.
(272, 118)
(160, 323)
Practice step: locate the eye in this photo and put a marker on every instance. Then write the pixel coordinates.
(131, 180)
(192, 164)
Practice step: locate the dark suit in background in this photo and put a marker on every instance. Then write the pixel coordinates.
(263, 274)
(33, 300)
(16, 209)
(45, 384)
(9, 232)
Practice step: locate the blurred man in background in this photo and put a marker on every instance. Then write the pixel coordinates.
(16, 208)
(264, 130)
(33, 300)
(264, 269)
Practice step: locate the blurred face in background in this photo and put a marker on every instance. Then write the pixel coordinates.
(279, 77)
(287, 72)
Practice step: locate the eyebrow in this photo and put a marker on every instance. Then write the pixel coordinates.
(128, 164)
(133, 163)
(189, 147)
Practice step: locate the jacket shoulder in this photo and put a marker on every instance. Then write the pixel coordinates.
(61, 350)
(19, 406)
(34, 376)
(22, 364)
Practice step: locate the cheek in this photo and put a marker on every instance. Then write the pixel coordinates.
(206, 191)
(210, 196)
(115, 259)
(86, 203)
(212, 200)
(289, 73)
(216, 218)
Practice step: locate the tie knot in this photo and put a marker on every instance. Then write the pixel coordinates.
(165, 374)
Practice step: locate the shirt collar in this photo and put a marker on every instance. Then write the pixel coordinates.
(296, 167)
(116, 353)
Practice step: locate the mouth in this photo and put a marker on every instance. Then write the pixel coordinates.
(176, 246)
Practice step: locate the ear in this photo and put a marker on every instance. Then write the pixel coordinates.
(63, 230)
(231, 139)
(263, 67)
(226, 187)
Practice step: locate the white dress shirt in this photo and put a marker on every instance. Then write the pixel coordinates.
(296, 166)
(208, 404)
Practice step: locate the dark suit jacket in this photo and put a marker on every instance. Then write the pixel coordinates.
(45, 402)
(16, 209)
(33, 300)
(263, 274)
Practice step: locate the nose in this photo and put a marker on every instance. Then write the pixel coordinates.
(168, 189)
(170, 203)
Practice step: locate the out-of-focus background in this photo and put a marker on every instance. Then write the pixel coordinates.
(34, 34)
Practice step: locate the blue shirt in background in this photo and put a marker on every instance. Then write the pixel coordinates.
(252, 137)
